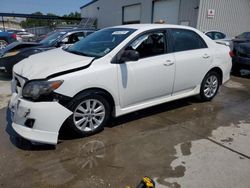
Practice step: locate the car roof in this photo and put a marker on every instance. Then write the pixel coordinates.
(214, 31)
(152, 26)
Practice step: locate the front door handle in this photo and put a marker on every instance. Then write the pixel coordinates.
(168, 63)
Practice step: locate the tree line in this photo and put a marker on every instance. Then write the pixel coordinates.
(32, 22)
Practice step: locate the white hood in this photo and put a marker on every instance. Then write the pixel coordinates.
(44, 64)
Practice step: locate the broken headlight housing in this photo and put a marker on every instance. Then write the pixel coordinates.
(36, 89)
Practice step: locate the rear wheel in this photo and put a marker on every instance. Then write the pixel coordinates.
(90, 114)
(3, 44)
(210, 86)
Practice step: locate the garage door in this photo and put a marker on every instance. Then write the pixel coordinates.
(167, 10)
(132, 14)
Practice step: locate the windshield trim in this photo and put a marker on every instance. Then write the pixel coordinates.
(79, 53)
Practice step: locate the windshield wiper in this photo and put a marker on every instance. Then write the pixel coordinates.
(78, 53)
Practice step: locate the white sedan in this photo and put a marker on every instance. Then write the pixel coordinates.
(113, 72)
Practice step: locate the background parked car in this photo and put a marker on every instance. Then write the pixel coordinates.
(22, 35)
(219, 37)
(17, 51)
(216, 35)
(241, 60)
(242, 38)
(6, 38)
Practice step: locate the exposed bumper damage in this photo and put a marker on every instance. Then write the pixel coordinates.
(37, 121)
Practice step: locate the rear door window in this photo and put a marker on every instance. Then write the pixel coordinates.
(185, 40)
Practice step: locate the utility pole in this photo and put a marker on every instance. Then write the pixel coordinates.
(3, 24)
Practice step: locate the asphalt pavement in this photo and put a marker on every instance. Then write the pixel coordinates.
(179, 144)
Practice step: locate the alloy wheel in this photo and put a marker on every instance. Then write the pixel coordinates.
(211, 86)
(89, 115)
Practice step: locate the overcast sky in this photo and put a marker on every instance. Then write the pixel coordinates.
(59, 7)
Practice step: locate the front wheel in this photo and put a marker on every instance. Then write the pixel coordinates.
(90, 114)
(210, 86)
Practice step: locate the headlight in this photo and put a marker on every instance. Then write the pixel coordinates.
(36, 89)
(10, 54)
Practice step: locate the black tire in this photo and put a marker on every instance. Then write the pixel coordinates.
(203, 96)
(76, 102)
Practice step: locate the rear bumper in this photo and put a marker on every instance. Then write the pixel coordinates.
(47, 118)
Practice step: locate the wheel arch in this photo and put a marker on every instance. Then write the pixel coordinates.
(104, 93)
(219, 71)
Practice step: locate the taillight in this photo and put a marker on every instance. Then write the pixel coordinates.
(13, 36)
(231, 53)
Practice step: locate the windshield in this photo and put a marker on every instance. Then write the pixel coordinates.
(49, 40)
(101, 42)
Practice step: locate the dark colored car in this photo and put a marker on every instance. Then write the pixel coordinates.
(18, 51)
(241, 59)
(6, 38)
(242, 38)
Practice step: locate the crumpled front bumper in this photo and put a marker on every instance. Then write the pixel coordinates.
(46, 117)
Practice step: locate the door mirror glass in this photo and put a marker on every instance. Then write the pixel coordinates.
(129, 55)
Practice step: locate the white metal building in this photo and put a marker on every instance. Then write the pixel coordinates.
(229, 16)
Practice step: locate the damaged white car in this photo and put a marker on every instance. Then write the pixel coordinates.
(113, 72)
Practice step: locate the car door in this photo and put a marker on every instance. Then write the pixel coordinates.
(152, 76)
(193, 59)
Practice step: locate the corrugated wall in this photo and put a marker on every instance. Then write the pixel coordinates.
(189, 12)
(231, 16)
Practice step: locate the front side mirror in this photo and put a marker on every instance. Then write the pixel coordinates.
(130, 55)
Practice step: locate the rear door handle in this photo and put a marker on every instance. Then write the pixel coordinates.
(168, 63)
(206, 56)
